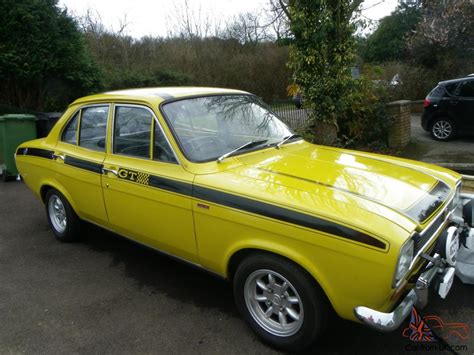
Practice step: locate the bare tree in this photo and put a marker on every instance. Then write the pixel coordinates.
(189, 21)
(247, 28)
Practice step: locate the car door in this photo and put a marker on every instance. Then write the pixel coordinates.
(79, 155)
(465, 105)
(147, 192)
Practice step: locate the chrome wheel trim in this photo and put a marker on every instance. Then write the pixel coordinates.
(57, 214)
(442, 129)
(273, 303)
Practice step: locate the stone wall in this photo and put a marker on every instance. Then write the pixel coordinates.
(400, 130)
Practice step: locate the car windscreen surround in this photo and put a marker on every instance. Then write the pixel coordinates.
(179, 142)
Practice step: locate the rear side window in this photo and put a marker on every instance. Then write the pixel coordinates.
(132, 131)
(437, 92)
(443, 90)
(88, 128)
(70, 133)
(451, 88)
(467, 89)
(93, 128)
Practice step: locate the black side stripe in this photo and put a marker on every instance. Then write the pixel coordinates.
(83, 164)
(250, 205)
(283, 214)
(36, 152)
(229, 200)
(418, 212)
(179, 187)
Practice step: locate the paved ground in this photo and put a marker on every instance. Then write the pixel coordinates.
(458, 153)
(107, 295)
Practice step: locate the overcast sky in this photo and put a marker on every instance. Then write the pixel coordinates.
(152, 17)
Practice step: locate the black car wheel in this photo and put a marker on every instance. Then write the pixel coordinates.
(61, 217)
(280, 301)
(442, 129)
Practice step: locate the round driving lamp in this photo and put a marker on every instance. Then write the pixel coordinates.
(449, 245)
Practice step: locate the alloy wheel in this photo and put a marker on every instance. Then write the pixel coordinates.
(273, 302)
(57, 214)
(442, 129)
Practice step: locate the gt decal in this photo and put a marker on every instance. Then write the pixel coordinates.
(143, 178)
(135, 176)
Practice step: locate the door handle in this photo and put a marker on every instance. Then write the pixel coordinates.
(105, 171)
(58, 156)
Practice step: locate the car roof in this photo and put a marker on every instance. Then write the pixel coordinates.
(156, 95)
(453, 81)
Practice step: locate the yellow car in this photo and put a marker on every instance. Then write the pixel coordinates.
(214, 178)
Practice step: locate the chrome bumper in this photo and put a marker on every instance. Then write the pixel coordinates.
(418, 297)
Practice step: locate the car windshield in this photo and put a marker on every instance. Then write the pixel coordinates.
(208, 127)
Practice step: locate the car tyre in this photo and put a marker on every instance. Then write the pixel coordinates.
(442, 129)
(280, 301)
(61, 217)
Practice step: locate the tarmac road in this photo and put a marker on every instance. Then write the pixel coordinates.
(455, 154)
(108, 295)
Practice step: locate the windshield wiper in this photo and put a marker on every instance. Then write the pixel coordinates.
(243, 146)
(286, 139)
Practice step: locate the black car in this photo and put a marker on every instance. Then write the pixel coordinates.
(449, 109)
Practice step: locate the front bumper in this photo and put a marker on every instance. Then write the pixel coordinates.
(418, 297)
(437, 272)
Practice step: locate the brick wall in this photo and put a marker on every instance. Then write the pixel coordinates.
(417, 106)
(399, 131)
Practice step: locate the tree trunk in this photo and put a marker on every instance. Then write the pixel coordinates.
(325, 133)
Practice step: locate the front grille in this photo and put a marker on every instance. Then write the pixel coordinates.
(421, 239)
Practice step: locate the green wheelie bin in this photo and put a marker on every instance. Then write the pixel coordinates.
(14, 130)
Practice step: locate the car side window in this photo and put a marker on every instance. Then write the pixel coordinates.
(132, 131)
(467, 89)
(161, 149)
(93, 128)
(451, 89)
(70, 133)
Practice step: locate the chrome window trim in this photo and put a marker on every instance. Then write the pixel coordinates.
(109, 105)
(152, 134)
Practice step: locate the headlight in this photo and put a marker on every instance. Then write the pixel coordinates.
(404, 260)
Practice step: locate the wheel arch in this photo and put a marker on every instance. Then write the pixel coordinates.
(310, 268)
(441, 114)
(47, 185)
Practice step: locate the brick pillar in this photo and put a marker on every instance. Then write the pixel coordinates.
(399, 131)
